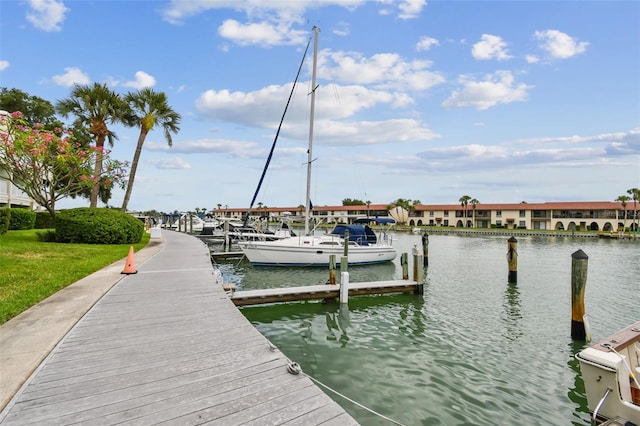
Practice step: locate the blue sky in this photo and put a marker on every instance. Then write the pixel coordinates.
(504, 101)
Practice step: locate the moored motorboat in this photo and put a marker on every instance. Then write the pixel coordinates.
(611, 373)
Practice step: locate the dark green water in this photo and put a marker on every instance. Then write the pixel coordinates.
(473, 350)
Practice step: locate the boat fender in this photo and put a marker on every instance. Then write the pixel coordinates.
(587, 328)
(294, 368)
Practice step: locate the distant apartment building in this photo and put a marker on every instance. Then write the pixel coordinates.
(569, 216)
(10, 195)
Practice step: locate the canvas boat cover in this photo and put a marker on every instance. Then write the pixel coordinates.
(361, 234)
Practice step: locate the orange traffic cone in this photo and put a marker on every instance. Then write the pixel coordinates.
(130, 267)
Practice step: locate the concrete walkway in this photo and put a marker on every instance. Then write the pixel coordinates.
(165, 345)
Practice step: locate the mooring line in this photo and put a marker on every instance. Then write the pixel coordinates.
(294, 368)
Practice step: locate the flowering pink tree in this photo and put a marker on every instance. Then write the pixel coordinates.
(50, 165)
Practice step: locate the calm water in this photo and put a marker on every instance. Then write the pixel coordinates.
(473, 350)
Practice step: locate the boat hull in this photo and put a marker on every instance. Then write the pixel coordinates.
(309, 251)
(611, 371)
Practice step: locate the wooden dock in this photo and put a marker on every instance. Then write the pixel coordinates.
(216, 255)
(166, 345)
(318, 292)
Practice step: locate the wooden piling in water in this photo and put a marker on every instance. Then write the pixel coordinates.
(344, 264)
(332, 269)
(512, 259)
(579, 264)
(417, 272)
(344, 287)
(346, 244)
(425, 249)
(405, 266)
(227, 242)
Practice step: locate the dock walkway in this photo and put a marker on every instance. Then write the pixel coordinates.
(166, 345)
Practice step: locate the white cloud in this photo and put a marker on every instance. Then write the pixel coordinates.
(175, 163)
(565, 152)
(495, 89)
(232, 148)
(142, 81)
(262, 108)
(532, 59)
(425, 43)
(618, 143)
(262, 33)
(273, 23)
(560, 45)
(341, 29)
(490, 47)
(382, 71)
(4, 65)
(351, 133)
(410, 9)
(71, 76)
(46, 15)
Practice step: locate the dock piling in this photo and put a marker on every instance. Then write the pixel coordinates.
(227, 242)
(417, 272)
(332, 269)
(579, 264)
(346, 243)
(425, 249)
(512, 259)
(344, 287)
(405, 266)
(344, 264)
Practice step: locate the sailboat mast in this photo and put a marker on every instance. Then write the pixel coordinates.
(307, 208)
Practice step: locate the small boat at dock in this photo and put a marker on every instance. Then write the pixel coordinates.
(611, 373)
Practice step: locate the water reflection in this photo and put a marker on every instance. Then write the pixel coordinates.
(577, 393)
(512, 313)
(337, 324)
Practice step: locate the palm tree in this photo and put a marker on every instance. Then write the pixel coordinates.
(622, 199)
(474, 203)
(96, 107)
(150, 109)
(464, 201)
(635, 196)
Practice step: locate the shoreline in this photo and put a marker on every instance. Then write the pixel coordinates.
(517, 232)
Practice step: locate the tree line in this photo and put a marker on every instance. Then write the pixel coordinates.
(48, 162)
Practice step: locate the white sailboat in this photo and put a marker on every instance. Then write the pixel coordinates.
(362, 246)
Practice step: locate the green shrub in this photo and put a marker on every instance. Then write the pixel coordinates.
(97, 226)
(5, 214)
(44, 220)
(46, 236)
(21, 219)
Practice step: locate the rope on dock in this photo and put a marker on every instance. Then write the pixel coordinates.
(295, 369)
(624, 359)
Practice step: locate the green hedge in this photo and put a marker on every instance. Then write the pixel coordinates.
(44, 220)
(97, 226)
(21, 219)
(5, 215)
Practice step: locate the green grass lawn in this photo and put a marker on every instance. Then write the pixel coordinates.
(31, 270)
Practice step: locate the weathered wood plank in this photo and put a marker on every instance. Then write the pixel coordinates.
(166, 345)
(315, 292)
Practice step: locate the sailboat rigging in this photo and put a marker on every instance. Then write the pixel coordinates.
(275, 139)
(362, 245)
